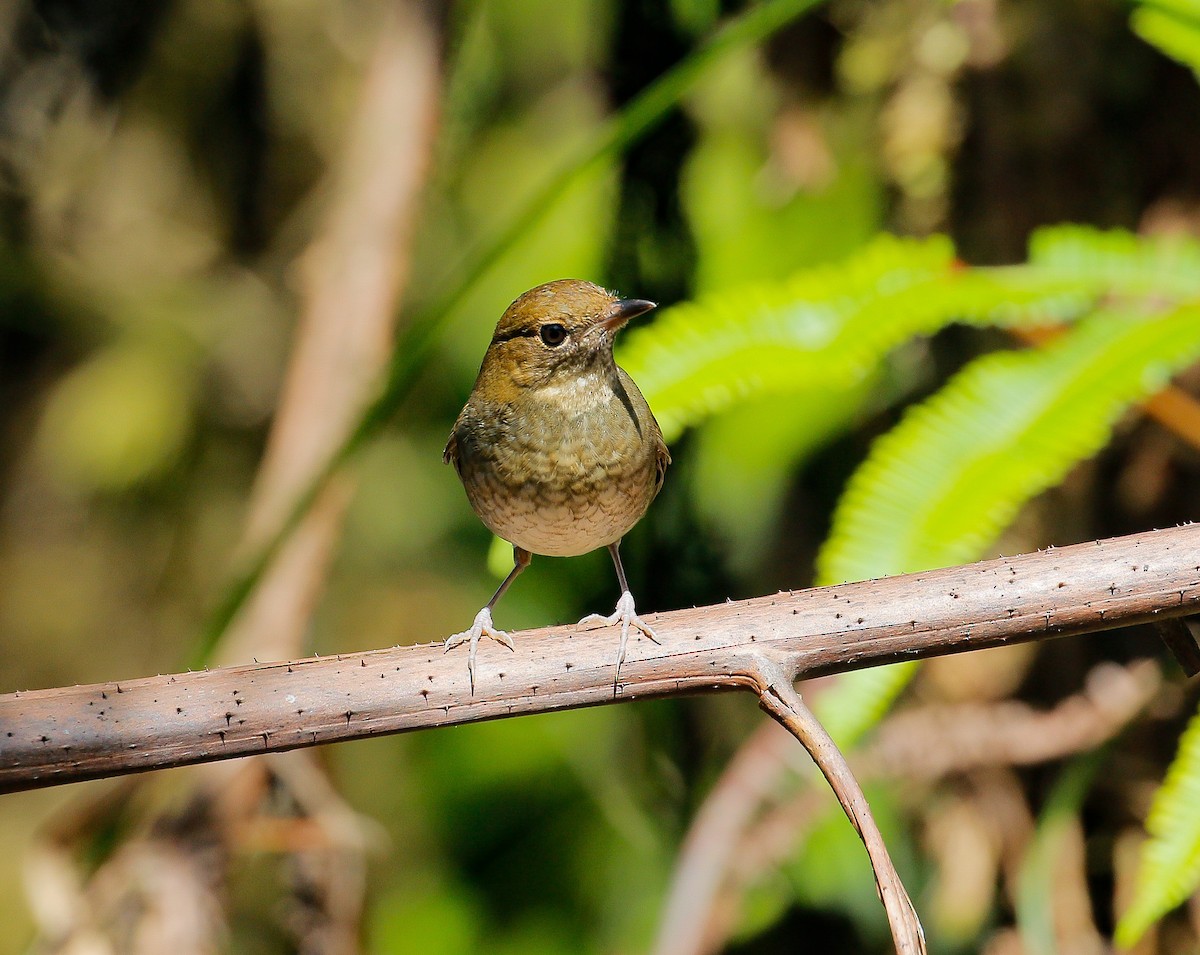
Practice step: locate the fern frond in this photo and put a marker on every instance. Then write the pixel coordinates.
(1118, 262)
(940, 487)
(879, 529)
(826, 327)
(1170, 865)
(830, 326)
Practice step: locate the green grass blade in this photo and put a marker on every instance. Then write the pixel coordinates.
(1039, 869)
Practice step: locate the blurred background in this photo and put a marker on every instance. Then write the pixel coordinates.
(216, 219)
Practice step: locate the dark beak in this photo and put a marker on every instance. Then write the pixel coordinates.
(623, 310)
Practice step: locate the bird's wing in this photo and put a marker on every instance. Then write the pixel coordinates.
(662, 457)
(450, 452)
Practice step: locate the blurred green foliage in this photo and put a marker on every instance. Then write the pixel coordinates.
(168, 164)
(1170, 861)
(1171, 25)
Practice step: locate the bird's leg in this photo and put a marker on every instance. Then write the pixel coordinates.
(482, 626)
(625, 614)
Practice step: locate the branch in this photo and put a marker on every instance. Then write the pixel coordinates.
(780, 699)
(64, 735)
(926, 743)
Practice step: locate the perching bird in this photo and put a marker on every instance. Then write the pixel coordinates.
(556, 447)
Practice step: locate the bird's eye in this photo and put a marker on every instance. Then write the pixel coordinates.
(553, 334)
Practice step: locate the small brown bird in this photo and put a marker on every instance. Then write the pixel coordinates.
(556, 447)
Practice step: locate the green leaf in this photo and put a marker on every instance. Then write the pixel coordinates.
(1170, 863)
(1173, 26)
(853, 706)
(1159, 267)
(828, 327)
(941, 486)
(1039, 868)
(826, 330)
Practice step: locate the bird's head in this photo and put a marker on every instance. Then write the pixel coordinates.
(558, 330)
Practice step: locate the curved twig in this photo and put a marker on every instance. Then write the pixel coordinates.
(720, 862)
(780, 699)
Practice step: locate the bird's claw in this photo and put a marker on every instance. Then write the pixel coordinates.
(626, 616)
(482, 627)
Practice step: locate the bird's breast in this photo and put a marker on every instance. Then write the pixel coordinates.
(564, 469)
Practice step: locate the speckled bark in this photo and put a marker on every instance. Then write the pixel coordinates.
(63, 735)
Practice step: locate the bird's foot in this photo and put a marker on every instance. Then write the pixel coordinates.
(482, 627)
(626, 616)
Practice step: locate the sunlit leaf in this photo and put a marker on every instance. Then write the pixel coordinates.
(1159, 267)
(826, 327)
(940, 487)
(1173, 26)
(1170, 863)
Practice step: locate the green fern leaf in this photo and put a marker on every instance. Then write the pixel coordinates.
(1118, 262)
(1170, 863)
(827, 327)
(831, 326)
(940, 487)
(886, 535)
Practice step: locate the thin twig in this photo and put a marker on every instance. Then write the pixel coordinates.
(926, 743)
(780, 699)
(752, 819)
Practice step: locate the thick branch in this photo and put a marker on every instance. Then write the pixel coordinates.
(64, 735)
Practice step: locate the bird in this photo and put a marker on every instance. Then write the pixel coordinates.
(557, 449)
